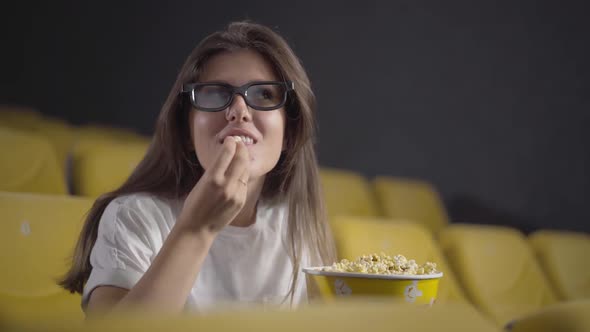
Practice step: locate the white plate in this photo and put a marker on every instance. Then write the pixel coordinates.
(318, 271)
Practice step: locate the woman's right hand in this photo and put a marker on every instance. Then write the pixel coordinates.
(221, 193)
(214, 202)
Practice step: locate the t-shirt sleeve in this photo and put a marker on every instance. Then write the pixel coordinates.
(124, 247)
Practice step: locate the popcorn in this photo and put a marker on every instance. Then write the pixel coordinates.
(383, 264)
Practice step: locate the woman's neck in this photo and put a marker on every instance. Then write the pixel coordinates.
(247, 216)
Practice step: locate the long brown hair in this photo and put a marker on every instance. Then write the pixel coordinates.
(170, 168)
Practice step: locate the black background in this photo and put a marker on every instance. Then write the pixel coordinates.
(487, 100)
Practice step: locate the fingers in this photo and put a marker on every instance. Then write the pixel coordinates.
(245, 175)
(224, 157)
(239, 164)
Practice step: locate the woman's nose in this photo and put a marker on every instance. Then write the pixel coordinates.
(238, 110)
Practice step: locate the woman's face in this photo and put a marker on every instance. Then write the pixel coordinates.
(266, 128)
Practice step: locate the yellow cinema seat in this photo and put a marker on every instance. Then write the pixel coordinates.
(37, 237)
(345, 316)
(356, 236)
(412, 200)
(99, 133)
(347, 193)
(571, 316)
(19, 117)
(103, 167)
(564, 258)
(60, 135)
(497, 269)
(29, 164)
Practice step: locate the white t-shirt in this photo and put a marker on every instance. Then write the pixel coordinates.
(245, 265)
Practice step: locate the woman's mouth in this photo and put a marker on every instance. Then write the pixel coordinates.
(246, 139)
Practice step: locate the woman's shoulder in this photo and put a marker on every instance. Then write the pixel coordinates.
(143, 208)
(142, 202)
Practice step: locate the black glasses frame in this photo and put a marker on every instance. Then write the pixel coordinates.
(241, 90)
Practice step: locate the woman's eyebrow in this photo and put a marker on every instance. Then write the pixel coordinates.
(227, 82)
(214, 81)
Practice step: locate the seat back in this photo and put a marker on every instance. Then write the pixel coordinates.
(356, 236)
(347, 193)
(497, 269)
(29, 164)
(344, 316)
(101, 167)
(563, 257)
(37, 238)
(570, 316)
(411, 200)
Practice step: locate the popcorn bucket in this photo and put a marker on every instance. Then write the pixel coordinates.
(419, 289)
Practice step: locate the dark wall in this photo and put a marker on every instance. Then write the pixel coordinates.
(487, 101)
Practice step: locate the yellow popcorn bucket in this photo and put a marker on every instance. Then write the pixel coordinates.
(419, 289)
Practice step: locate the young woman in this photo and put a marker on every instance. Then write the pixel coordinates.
(226, 204)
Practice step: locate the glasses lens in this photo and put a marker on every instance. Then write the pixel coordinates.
(212, 96)
(266, 95)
